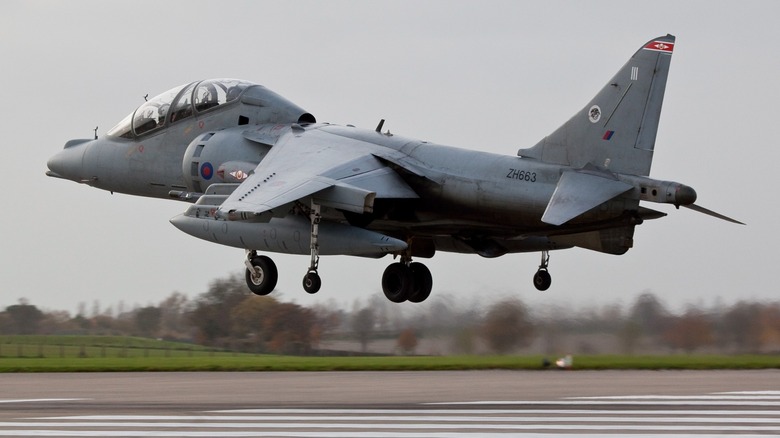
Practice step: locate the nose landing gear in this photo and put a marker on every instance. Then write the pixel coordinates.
(261, 273)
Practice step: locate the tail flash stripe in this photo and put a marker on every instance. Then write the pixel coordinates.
(660, 46)
(608, 135)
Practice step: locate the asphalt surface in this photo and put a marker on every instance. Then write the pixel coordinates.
(379, 404)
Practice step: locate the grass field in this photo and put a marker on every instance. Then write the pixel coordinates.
(63, 347)
(93, 353)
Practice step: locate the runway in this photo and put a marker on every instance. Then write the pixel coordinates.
(394, 404)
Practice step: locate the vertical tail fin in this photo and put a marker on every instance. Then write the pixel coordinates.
(616, 129)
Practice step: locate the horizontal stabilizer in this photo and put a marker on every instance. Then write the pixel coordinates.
(579, 192)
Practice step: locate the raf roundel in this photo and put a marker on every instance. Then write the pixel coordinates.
(206, 171)
(594, 114)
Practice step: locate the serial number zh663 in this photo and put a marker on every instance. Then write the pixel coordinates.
(521, 175)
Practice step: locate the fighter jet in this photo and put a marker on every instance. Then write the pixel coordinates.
(263, 175)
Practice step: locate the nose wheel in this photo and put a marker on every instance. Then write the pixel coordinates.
(542, 278)
(261, 273)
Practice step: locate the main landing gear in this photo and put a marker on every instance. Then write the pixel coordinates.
(542, 278)
(407, 281)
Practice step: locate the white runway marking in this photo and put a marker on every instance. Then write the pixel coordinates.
(454, 417)
(433, 423)
(365, 434)
(616, 402)
(491, 411)
(530, 421)
(741, 398)
(685, 397)
(40, 400)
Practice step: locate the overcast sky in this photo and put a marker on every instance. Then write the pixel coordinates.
(492, 76)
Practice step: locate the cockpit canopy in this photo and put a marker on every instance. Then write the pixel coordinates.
(178, 104)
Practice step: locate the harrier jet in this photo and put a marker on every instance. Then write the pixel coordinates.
(260, 173)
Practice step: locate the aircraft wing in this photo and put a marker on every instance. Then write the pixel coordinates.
(334, 171)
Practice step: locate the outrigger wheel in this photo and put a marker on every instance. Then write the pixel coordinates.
(542, 278)
(312, 282)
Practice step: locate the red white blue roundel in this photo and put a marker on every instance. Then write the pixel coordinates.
(206, 170)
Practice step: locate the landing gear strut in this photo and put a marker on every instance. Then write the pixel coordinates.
(261, 273)
(542, 278)
(407, 281)
(312, 281)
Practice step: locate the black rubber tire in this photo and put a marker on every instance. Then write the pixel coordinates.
(542, 280)
(422, 282)
(268, 277)
(312, 282)
(397, 282)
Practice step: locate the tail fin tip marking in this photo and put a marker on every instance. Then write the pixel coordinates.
(660, 46)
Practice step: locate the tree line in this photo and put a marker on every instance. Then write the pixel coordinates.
(227, 316)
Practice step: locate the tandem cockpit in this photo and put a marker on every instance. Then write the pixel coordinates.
(178, 104)
(145, 153)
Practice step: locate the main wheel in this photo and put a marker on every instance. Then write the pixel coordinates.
(542, 280)
(262, 279)
(311, 282)
(397, 282)
(422, 282)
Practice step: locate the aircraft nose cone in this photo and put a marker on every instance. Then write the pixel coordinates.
(57, 166)
(68, 163)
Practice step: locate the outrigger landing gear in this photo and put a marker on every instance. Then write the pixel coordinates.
(312, 281)
(542, 278)
(261, 273)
